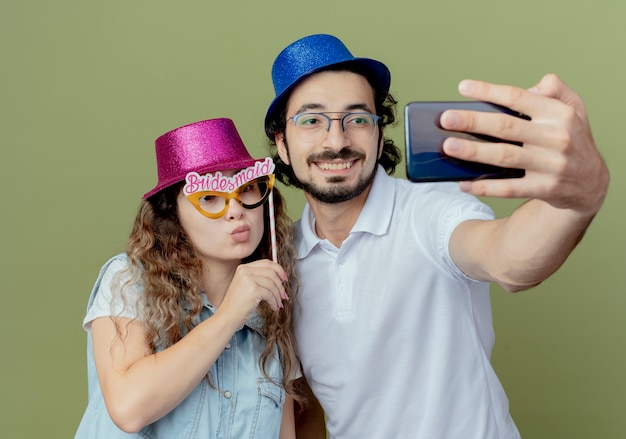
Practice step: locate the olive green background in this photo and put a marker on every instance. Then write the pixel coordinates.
(86, 87)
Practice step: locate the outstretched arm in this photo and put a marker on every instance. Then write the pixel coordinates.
(565, 183)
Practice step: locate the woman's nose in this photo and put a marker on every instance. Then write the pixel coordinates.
(235, 209)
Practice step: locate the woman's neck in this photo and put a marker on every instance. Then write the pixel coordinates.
(216, 280)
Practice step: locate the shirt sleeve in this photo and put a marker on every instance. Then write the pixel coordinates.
(112, 296)
(441, 207)
(465, 208)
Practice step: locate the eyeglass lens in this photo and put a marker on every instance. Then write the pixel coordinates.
(315, 126)
(250, 195)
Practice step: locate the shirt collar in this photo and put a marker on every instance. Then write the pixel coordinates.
(255, 322)
(374, 218)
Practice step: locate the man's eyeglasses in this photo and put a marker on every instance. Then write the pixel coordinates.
(314, 127)
(214, 204)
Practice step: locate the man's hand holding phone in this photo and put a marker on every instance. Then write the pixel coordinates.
(561, 161)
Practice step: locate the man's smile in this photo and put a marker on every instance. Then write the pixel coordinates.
(334, 166)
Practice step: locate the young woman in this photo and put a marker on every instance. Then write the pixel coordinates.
(189, 330)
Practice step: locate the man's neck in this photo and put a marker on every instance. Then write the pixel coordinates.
(334, 221)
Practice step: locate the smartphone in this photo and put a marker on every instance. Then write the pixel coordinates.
(425, 159)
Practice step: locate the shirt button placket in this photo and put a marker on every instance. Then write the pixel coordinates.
(228, 384)
(344, 302)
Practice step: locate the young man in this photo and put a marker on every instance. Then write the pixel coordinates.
(394, 328)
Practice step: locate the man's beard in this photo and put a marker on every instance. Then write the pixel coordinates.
(336, 193)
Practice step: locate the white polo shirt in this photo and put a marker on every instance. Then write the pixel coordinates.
(394, 339)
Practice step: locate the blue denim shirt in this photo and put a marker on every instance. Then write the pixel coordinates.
(241, 404)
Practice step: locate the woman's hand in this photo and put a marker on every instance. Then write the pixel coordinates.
(253, 283)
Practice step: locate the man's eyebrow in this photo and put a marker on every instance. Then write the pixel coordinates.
(322, 108)
(309, 107)
(360, 106)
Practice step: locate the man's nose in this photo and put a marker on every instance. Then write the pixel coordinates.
(336, 137)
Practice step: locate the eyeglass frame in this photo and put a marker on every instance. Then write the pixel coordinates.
(194, 197)
(341, 120)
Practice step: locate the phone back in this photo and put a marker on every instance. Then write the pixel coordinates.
(425, 159)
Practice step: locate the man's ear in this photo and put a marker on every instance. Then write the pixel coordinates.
(381, 143)
(281, 147)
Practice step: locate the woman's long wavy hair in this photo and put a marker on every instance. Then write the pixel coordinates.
(385, 105)
(163, 259)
